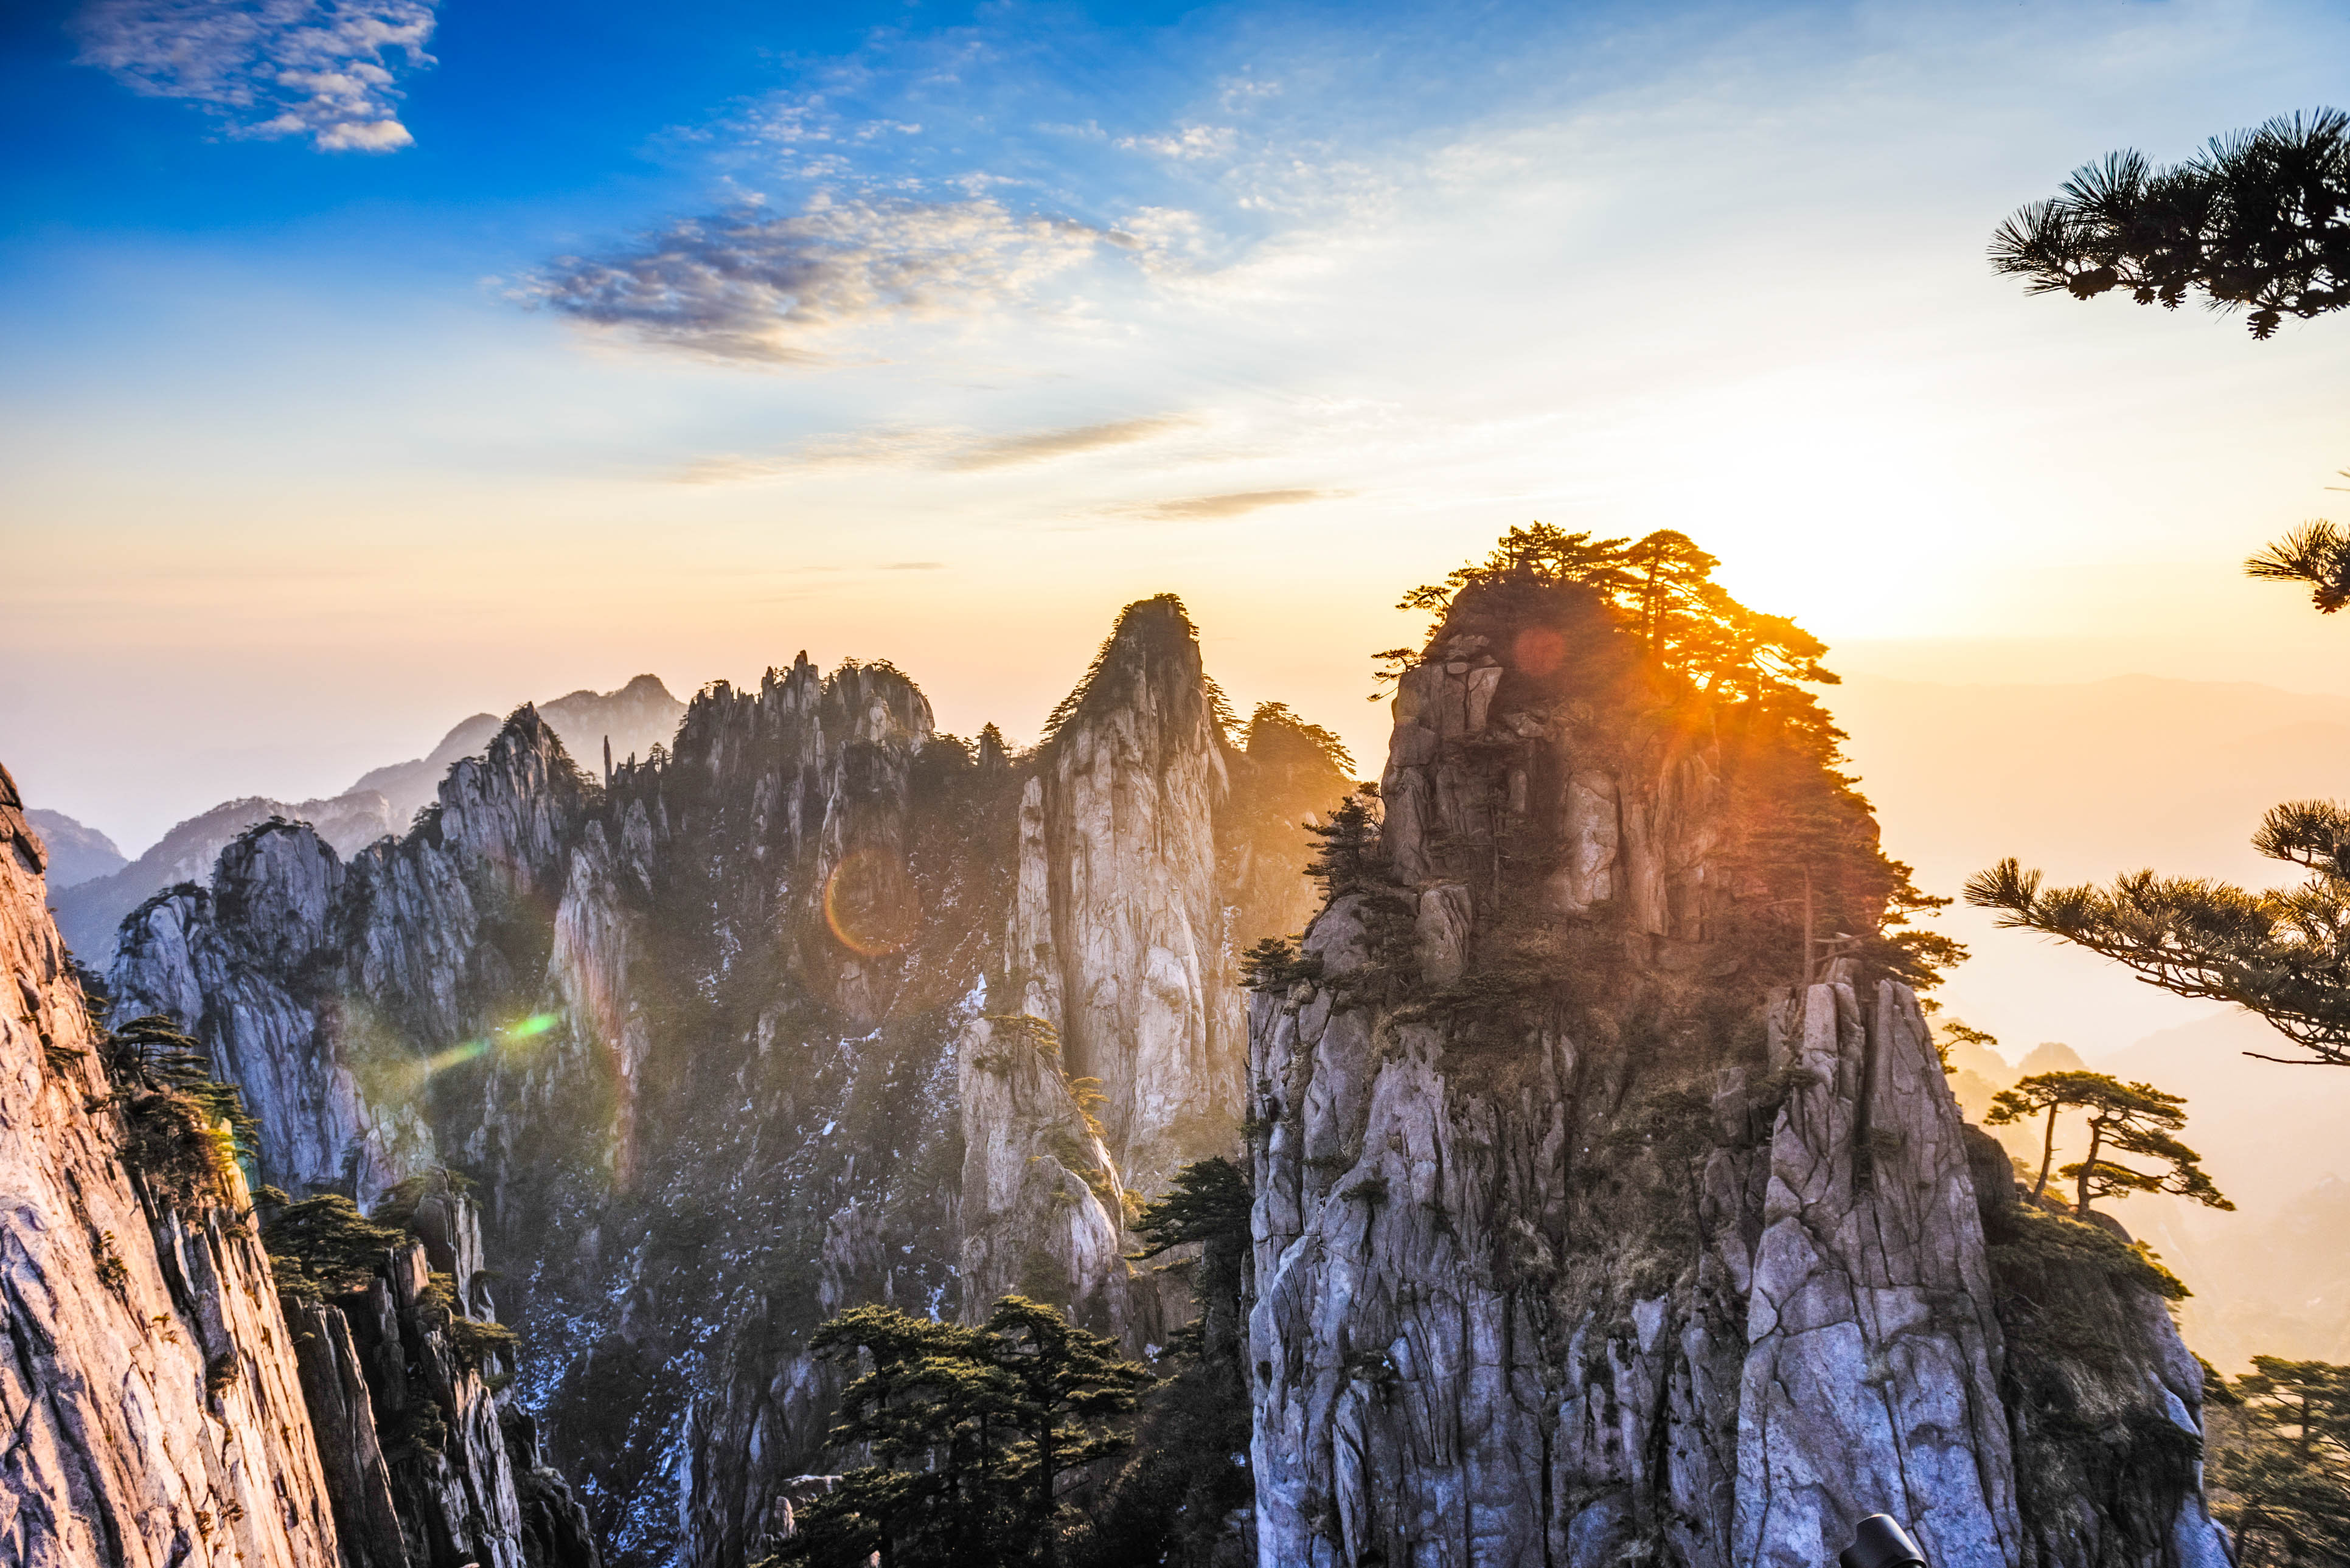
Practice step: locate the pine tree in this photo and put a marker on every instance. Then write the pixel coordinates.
(971, 1428)
(1210, 1205)
(1168, 1505)
(2283, 954)
(1346, 858)
(2259, 220)
(2283, 1463)
(2136, 1119)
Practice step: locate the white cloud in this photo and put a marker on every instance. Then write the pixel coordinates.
(321, 69)
(747, 287)
(1189, 142)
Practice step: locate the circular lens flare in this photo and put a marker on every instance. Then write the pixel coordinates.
(869, 903)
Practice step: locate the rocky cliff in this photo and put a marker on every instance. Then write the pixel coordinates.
(1610, 1207)
(149, 1388)
(819, 1007)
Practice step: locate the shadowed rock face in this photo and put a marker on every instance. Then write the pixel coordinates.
(1583, 1237)
(147, 1386)
(760, 1030)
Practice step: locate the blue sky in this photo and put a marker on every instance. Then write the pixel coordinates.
(380, 363)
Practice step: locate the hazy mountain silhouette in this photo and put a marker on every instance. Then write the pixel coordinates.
(635, 718)
(76, 853)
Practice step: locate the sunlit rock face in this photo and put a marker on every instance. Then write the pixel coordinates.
(150, 1390)
(793, 1017)
(1587, 1233)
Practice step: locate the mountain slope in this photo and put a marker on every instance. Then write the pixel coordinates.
(76, 854)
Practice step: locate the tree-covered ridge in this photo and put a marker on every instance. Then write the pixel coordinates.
(1802, 853)
(1661, 587)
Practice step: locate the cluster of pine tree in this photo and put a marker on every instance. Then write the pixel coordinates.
(1805, 843)
(1027, 1440)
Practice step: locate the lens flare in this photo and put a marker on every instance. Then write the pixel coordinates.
(456, 1055)
(1538, 649)
(869, 903)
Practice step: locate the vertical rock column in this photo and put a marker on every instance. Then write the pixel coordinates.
(1118, 936)
(1870, 1383)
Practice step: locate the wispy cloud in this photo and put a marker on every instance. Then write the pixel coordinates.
(950, 450)
(1206, 508)
(1040, 445)
(748, 288)
(320, 68)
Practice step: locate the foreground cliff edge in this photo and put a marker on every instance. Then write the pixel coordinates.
(150, 1391)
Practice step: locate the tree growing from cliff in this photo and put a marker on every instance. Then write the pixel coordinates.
(2134, 1120)
(1346, 846)
(2258, 221)
(972, 1429)
(184, 1131)
(1807, 842)
(2283, 1463)
(1209, 1205)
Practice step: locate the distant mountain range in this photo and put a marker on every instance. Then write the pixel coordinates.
(76, 854)
(98, 888)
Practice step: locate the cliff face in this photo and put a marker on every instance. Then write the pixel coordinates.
(797, 1016)
(1118, 935)
(149, 1386)
(1583, 1236)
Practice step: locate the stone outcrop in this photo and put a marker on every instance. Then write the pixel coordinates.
(149, 1388)
(1118, 936)
(799, 1014)
(1582, 1236)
